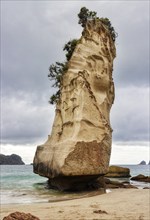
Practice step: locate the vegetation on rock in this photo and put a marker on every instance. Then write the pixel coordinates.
(86, 15)
(69, 47)
(111, 29)
(57, 70)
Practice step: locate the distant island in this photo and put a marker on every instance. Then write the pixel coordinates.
(13, 159)
(142, 162)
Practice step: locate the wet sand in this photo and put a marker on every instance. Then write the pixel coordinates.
(120, 204)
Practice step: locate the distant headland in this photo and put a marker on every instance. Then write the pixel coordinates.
(13, 159)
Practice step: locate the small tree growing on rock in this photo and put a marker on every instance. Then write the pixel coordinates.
(85, 15)
(57, 70)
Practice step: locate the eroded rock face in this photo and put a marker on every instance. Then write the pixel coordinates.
(80, 142)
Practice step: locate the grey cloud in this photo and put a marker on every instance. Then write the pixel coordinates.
(130, 115)
(28, 47)
(33, 34)
(24, 122)
(132, 62)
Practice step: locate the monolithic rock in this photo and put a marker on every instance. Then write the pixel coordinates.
(116, 171)
(78, 149)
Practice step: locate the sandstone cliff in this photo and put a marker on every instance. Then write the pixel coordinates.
(79, 147)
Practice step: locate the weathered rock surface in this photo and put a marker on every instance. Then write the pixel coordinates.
(141, 178)
(110, 184)
(116, 171)
(78, 149)
(20, 216)
(11, 160)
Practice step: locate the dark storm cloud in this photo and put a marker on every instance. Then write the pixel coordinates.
(33, 35)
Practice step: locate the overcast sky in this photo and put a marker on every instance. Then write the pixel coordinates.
(32, 37)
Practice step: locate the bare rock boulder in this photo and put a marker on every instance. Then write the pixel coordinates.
(78, 150)
(20, 216)
(141, 178)
(116, 171)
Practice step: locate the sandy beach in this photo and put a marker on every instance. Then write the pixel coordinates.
(120, 204)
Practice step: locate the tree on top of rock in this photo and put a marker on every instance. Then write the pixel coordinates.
(85, 15)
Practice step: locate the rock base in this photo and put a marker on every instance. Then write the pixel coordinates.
(77, 183)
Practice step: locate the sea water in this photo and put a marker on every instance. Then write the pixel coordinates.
(20, 185)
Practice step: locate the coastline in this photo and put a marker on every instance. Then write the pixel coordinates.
(20, 185)
(119, 204)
